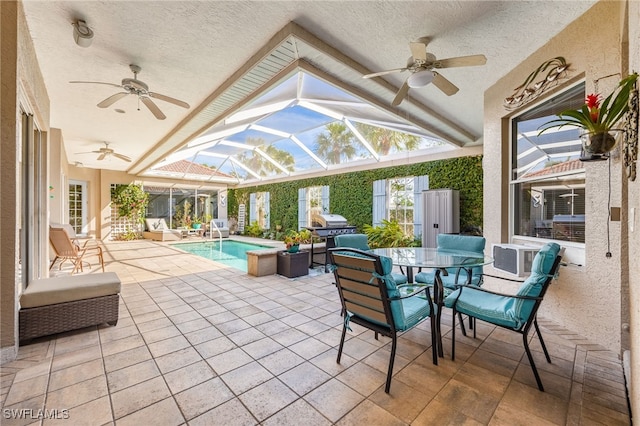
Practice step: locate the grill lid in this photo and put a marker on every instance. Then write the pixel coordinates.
(328, 220)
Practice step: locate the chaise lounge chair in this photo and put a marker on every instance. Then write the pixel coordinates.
(158, 230)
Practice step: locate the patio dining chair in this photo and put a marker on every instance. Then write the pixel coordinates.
(65, 249)
(361, 242)
(371, 299)
(517, 312)
(457, 276)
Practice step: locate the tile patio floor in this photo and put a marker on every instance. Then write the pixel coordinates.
(201, 344)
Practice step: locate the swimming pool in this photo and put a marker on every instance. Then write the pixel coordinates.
(233, 253)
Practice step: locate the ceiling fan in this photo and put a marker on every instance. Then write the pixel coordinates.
(422, 65)
(133, 86)
(107, 152)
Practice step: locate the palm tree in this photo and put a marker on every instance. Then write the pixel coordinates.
(336, 143)
(382, 139)
(259, 164)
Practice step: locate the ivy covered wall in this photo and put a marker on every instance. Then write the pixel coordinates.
(351, 194)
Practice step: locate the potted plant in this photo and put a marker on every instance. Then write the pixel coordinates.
(196, 223)
(597, 119)
(292, 241)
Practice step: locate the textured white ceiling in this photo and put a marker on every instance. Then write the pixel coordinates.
(188, 49)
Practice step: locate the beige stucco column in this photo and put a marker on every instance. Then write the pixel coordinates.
(8, 177)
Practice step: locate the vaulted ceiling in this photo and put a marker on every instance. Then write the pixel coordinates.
(247, 68)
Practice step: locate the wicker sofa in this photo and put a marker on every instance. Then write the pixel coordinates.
(54, 305)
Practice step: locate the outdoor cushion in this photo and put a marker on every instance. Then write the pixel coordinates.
(504, 310)
(50, 291)
(356, 241)
(156, 224)
(406, 312)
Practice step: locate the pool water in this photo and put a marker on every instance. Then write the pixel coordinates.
(233, 253)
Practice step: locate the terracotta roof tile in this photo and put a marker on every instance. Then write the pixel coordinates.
(566, 166)
(184, 166)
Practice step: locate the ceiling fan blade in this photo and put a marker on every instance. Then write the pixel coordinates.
(418, 50)
(153, 108)
(169, 99)
(112, 99)
(402, 93)
(461, 61)
(122, 157)
(96, 82)
(445, 85)
(378, 74)
(102, 156)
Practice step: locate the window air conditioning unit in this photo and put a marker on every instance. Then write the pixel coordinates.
(515, 259)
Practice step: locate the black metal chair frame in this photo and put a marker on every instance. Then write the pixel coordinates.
(524, 328)
(360, 275)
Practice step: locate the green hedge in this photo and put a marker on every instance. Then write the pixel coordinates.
(351, 194)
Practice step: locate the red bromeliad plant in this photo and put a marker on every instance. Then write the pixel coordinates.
(595, 117)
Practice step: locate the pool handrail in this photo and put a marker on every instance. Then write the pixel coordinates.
(214, 225)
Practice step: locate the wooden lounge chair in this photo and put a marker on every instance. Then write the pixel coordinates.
(65, 250)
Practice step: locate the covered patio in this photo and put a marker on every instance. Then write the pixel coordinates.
(200, 343)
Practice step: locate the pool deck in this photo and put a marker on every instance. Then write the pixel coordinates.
(200, 343)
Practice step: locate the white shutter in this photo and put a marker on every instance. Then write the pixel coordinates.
(379, 201)
(420, 183)
(302, 208)
(253, 209)
(325, 199)
(267, 221)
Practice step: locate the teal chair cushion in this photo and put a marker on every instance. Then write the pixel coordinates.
(356, 241)
(406, 312)
(504, 310)
(461, 242)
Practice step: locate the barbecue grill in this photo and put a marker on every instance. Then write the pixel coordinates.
(329, 225)
(326, 227)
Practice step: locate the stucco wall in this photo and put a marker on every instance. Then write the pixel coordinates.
(634, 231)
(586, 299)
(22, 85)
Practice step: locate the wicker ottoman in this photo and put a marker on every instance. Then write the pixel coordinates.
(54, 305)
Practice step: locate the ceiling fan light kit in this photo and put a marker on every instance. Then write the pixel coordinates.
(421, 65)
(420, 79)
(82, 34)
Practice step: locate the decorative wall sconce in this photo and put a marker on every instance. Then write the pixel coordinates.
(630, 147)
(531, 89)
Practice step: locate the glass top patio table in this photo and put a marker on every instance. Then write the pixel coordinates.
(438, 259)
(423, 257)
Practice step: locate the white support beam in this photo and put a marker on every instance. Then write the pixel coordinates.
(269, 130)
(321, 110)
(362, 140)
(309, 152)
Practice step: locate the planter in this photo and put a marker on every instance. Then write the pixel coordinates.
(293, 265)
(293, 249)
(196, 225)
(598, 143)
